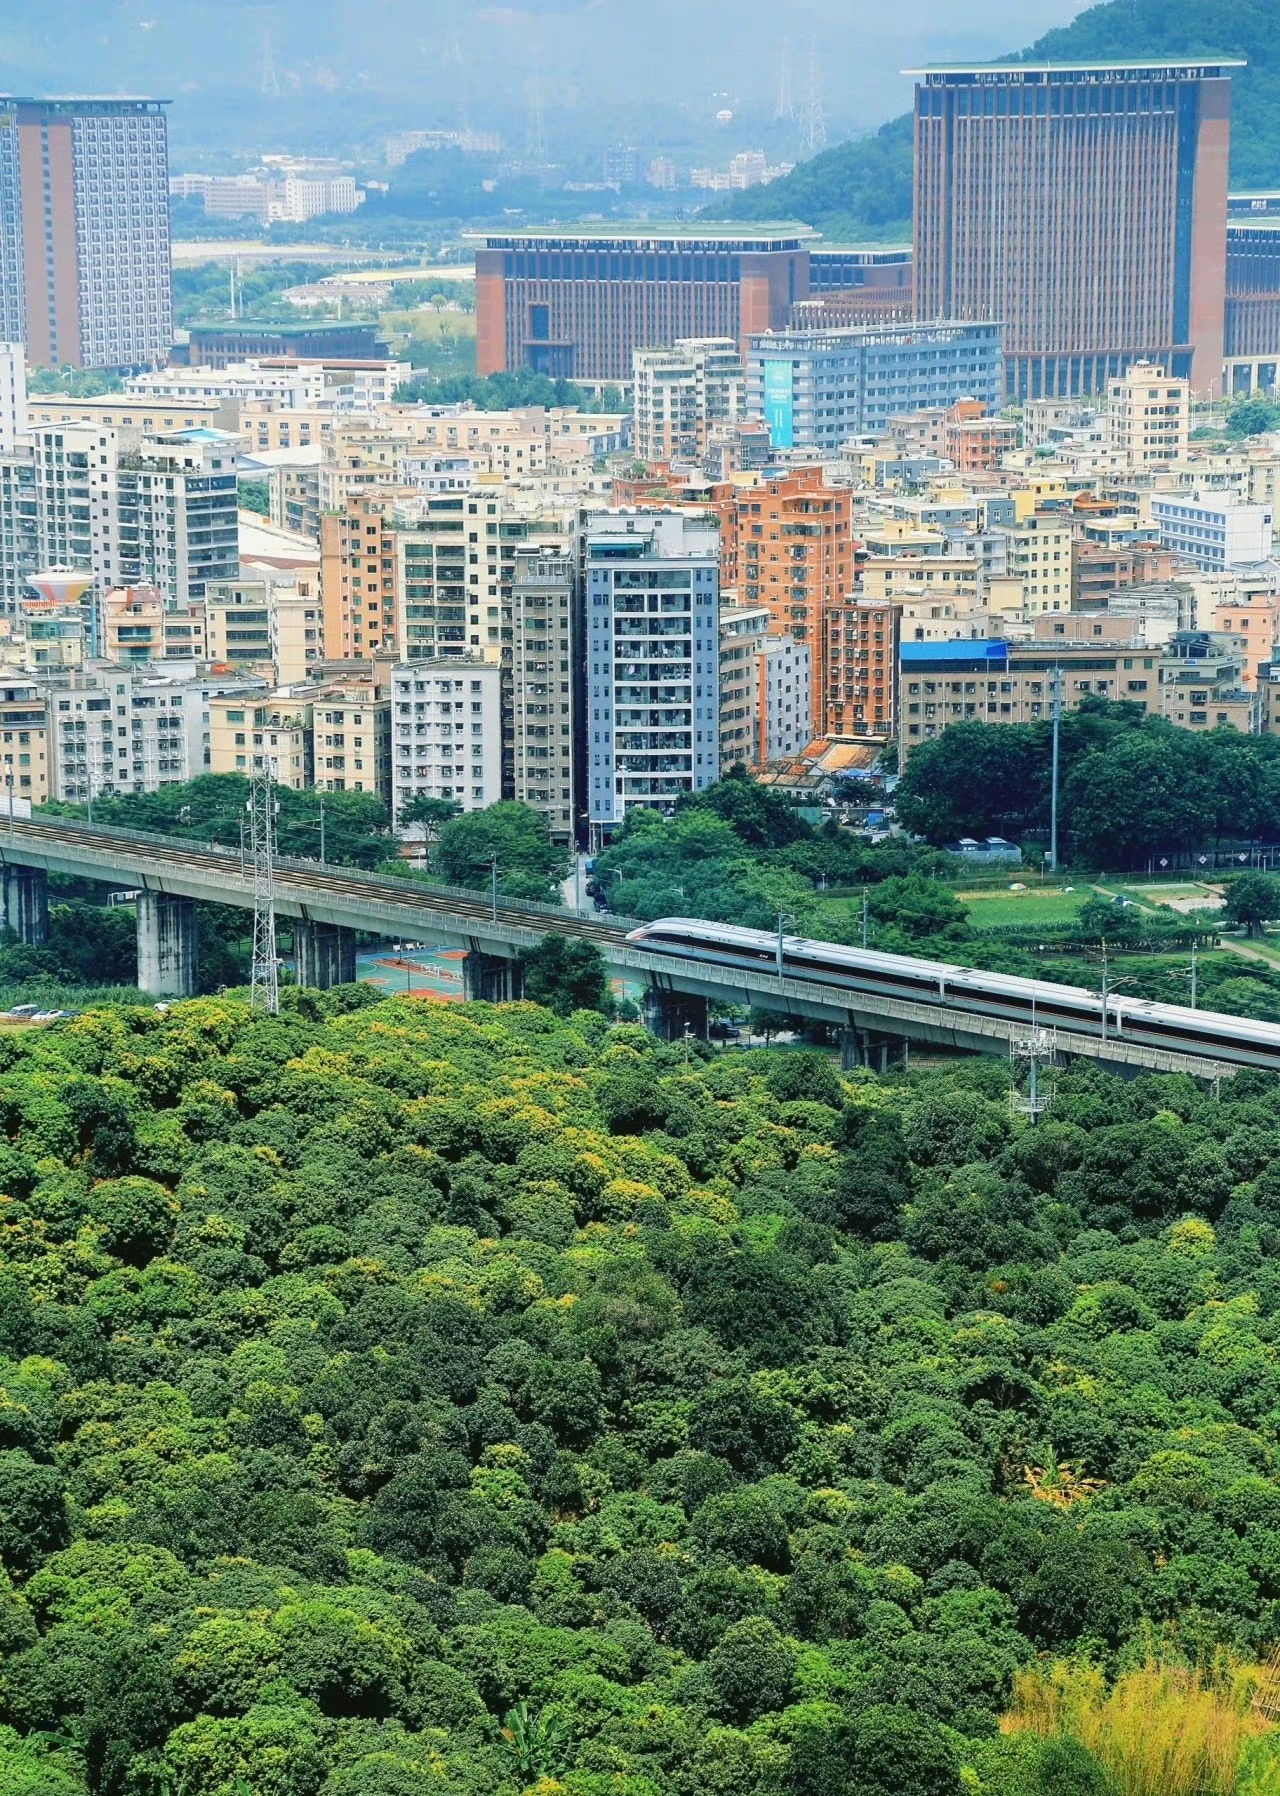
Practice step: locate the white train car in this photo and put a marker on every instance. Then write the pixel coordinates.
(1235, 1041)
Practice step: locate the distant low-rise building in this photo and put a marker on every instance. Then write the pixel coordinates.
(1213, 532)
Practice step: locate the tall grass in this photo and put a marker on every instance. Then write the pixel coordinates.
(1161, 1729)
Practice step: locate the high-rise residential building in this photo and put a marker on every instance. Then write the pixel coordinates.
(817, 389)
(358, 577)
(446, 733)
(782, 699)
(84, 231)
(117, 729)
(652, 715)
(13, 396)
(1148, 419)
(1084, 205)
(19, 536)
(787, 542)
(742, 630)
(546, 687)
(680, 395)
(132, 510)
(351, 739)
(579, 302)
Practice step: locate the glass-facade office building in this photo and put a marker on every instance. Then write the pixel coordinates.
(817, 389)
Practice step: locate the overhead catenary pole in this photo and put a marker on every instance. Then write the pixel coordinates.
(1053, 786)
(264, 991)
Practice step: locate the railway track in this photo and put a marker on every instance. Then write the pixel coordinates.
(301, 877)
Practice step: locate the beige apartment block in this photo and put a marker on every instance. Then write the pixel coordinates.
(24, 742)
(243, 731)
(352, 740)
(1148, 419)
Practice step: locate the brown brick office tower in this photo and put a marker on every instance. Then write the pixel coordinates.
(1085, 206)
(575, 302)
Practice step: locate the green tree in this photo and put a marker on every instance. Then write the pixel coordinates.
(1252, 900)
(565, 975)
(517, 837)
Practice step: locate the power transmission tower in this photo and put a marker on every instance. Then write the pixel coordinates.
(786, 107)
(537, 140)
(452, 49)
(813, 125)
(264, 993)
(269, 80)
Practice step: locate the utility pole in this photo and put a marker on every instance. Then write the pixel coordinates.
(264, 993)
(1053, 788)
(864, 920)
(1193, 976)
(781, 924)
(322, 828)
(493, 886)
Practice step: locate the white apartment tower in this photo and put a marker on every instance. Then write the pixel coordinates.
(133, 510)
(652, 714)
(682, 393)
(13, 396)
(84, 231)
(446, 733)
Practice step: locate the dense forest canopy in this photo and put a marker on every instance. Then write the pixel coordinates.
(400, 1396)
(863, 187)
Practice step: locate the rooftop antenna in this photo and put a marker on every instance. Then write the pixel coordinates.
(264, 992)
(268, 79)
(813, 125)
(786, 105)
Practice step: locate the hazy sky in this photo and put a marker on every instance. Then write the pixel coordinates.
(423, 59)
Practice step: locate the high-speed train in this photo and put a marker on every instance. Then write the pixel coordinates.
(1235, 1041)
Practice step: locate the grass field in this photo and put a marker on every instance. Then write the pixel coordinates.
(1038, 904)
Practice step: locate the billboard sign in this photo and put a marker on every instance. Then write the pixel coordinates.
(779, 407)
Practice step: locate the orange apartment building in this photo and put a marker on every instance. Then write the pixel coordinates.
(974, 443)
(862, 667)
(788, 543)
(358, 579)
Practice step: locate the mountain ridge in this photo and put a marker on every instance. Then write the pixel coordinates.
(861, 188)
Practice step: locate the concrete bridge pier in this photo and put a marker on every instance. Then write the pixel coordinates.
(864, 1047)
(168, 945)
(26, 904)
(324, 954)
(668, 1014)
(491, 978)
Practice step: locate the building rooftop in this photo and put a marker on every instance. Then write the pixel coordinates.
(975, 71)
(82, 100)
(791, 233)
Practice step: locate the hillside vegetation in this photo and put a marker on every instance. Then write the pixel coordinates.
(863, 189)
(404, 1398)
